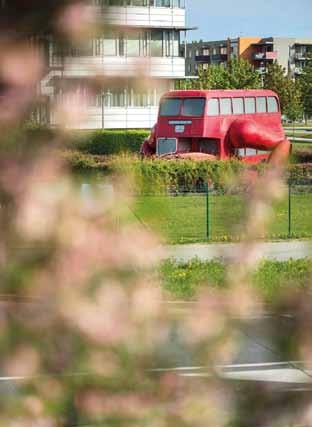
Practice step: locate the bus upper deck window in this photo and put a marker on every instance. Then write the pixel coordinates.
(193, 107)
(272, 104)
(213, 107)
(225, 106)
(261, 104)
(170, 107)
(250, 105)
(238, 105)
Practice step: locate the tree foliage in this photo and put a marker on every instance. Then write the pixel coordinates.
(238, 74)
(287, 89)
(305, 82)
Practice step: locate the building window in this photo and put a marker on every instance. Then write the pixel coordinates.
(110, 44)
(156, 43)
(133, 44)
(141, 3)
(167, 43)
(176, 43)
(123, 98)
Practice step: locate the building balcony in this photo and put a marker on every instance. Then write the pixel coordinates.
(211, 58)
(110, 66)
(133, 16)
(265, 56)
(298, 71)
(303, 56)
(115, 118)
(261, 70)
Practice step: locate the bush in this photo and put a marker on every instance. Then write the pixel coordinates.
(301, 172)
(108, 142)
(154, 175)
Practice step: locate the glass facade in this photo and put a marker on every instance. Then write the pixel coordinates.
(111, 96)
(125, 97)
(136, 43)
(142, 3)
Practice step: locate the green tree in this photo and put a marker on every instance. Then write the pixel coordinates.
(238, 74)
(293, 109)
(305, 82)
(288, 90)
(242, 75)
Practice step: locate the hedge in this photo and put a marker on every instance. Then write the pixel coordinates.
(108, 142)
(156, 174)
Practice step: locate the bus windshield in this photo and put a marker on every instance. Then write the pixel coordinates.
(188, 107)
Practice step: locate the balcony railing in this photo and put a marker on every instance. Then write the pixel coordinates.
(90, 66)
(211, 58)
(141, 16)
(303, 56)
(298, 71)
(142, 3)
(265, 56)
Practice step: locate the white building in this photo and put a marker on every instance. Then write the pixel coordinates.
(137, 58)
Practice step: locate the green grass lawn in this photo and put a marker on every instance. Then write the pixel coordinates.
(307, 136)
(270, 279)
(298, 124)
(183, 219)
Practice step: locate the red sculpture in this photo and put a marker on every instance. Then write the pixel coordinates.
(219, 125)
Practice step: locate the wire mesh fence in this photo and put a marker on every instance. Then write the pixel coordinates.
(207, 214)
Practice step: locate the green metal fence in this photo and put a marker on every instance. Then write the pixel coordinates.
(206, 214)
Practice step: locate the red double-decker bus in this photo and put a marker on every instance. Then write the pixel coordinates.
(217, 124)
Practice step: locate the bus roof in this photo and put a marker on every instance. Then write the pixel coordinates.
(194, 93)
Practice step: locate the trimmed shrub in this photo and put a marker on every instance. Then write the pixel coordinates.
(152, 175)
(109, 142)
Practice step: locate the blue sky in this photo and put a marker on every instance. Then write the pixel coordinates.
(219, 19)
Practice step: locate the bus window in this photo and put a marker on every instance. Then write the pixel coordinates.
(209, 146)
(225, 106)
(272, 104)
(261, 104)
(193, 107)
(213, 107)
(250, 105)
(170, 107)
(238, 105)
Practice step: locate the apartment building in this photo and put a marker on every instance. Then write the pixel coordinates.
(218, 52)
(291, 53)
(123, 71)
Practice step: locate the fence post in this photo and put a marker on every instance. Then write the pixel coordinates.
(289, 209)
(207, 212)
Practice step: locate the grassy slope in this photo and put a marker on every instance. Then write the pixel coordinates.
(183, 281)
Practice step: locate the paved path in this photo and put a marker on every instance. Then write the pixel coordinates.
(289, 375)
(280, 251)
